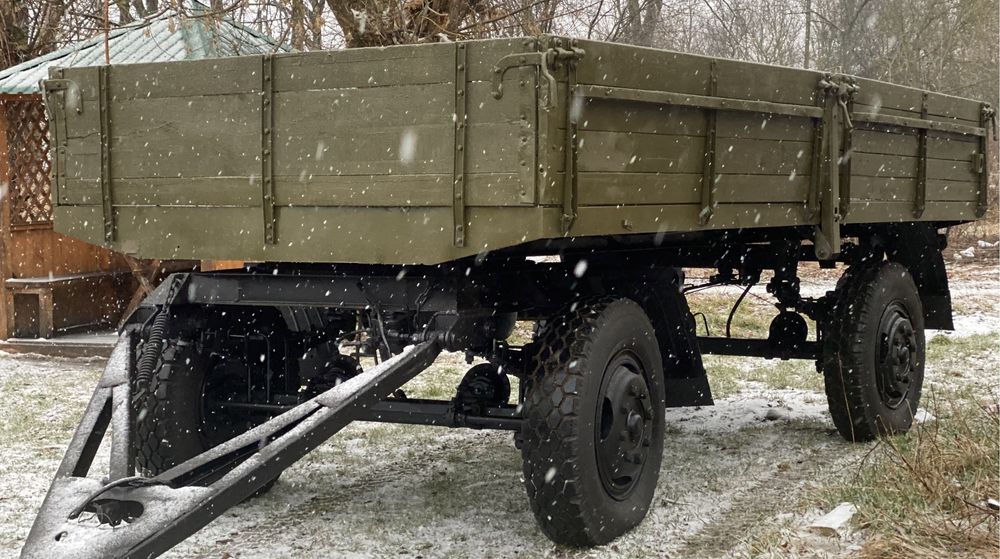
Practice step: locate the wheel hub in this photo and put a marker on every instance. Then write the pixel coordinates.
(624, 424)
(898, 353)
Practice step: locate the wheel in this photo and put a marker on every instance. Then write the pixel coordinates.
(873, 352)
(592, 437)
(174, 420)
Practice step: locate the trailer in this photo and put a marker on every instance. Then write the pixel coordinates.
(393, 203)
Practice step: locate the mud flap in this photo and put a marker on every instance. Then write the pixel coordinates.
(130, 516)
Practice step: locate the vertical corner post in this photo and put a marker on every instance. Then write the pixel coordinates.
(569, 210)
(708, 174)
(107, 202)
(461, 125)
(845, 100)
(920, 196)
(527, 141)
(267, 148)
(987, 120)
(816, 164)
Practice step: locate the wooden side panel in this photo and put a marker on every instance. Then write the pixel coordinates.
(355, 153)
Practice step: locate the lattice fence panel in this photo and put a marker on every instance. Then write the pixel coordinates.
(28, 145)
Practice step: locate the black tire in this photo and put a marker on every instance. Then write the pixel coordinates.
(873, 352)
(170, 421)
(592, 353)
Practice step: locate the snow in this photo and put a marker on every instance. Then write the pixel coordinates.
(733, 475)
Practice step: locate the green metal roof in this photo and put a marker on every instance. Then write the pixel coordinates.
(168, 37)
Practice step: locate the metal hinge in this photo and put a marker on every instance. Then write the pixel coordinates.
(546, 61)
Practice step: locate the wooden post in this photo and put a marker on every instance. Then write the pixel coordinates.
(5, 306)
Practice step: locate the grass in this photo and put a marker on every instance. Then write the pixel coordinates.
(923, 495)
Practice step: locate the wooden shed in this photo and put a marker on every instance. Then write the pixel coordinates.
(49, 283)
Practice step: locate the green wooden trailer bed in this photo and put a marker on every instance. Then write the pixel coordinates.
(424, 154)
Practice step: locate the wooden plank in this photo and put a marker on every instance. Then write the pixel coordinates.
(75, 192)
(639, 153)
(881, 95)
(614, 115)
(718, 102)
(215, 135)
(497, 189)
(764, 157)
(938, 147)
(642, 68)
(868, 189)
(343, 150)
(201, 191)
(764, 126)
(918, 122)
(365, 68)
(616, 220)
(874, 165)
(639, 189)
(902, 211)
(189, 78)
(336, 234)
(83, 159)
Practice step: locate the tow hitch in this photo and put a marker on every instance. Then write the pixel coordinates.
(132, 516)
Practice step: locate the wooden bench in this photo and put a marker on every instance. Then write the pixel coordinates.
(44, 306)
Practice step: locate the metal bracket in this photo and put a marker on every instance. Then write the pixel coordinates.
(71, 96)
(920, 196)
(708, 173)
(267, 148)
(461, 125)
(835, 197)
(108, 209)
(546, 61)
(816, 166)
(570, 149)
(988, 120)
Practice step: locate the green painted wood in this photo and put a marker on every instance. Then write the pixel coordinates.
(190, 78)
(363, 152)
(199, 136)
(865, 189)
(364, 68)
(641, 189)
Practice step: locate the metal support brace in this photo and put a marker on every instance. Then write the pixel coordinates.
(845, 100)
(835, 195)
(70, 96)
(461, 110)
(708, 175)
(527, 135)
(920, 196)
(570, 149)
(816, 166)
(151, 515)
(267, 147)
(107, 204)
(988, 121)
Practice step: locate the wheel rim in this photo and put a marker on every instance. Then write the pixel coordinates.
(624, 424)
(898, 354)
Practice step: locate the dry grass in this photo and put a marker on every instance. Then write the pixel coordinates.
(924, 495)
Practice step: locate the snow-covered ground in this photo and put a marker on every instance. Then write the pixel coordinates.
(738, 478)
